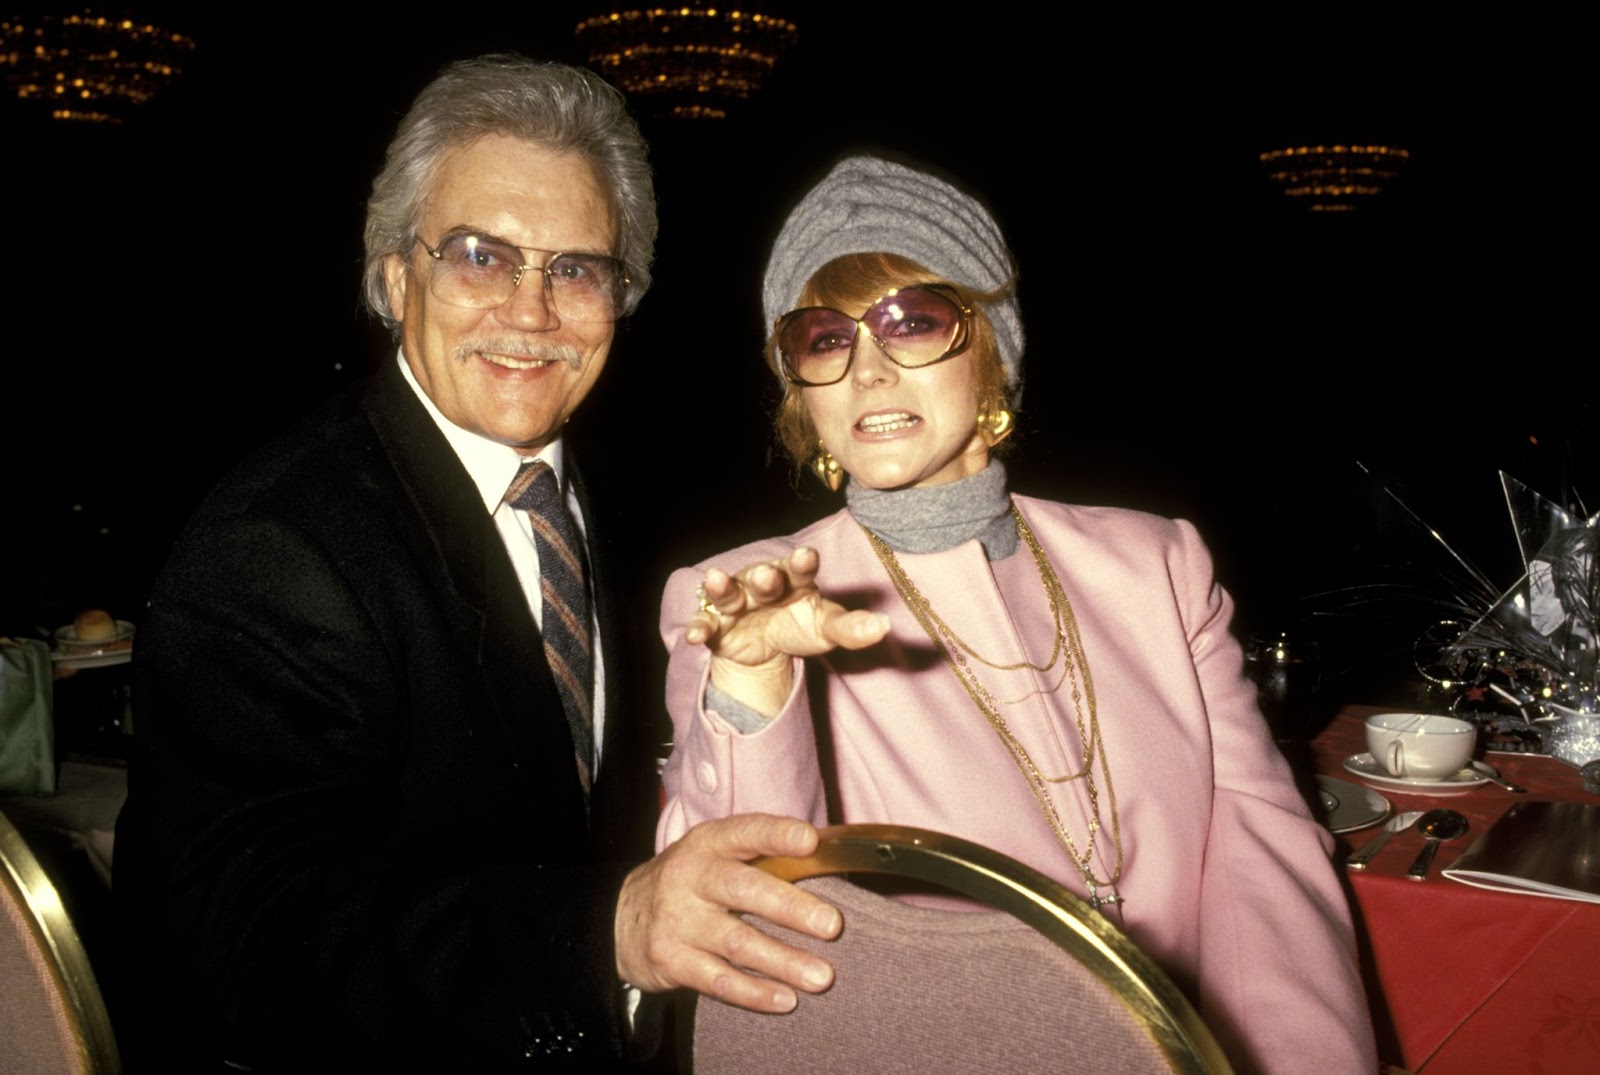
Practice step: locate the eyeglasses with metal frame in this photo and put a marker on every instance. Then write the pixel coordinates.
(913, 326)
(480, 272)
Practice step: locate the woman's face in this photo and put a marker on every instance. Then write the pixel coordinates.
(894, 428)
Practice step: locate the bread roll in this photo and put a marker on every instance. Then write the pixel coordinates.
(95, 625)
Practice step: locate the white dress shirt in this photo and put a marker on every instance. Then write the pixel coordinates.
(492, 465)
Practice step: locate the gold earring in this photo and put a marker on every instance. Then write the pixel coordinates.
(827, 468)
(995, 425)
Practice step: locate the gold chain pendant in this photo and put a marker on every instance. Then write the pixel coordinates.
(1069, 644)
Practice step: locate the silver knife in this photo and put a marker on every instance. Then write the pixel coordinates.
(1398, 823)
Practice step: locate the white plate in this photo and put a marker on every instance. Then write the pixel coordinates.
(91, 659)
(70, 653)
(1367, 768)
(1348, 807)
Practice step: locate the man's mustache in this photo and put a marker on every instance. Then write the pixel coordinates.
(520, 347)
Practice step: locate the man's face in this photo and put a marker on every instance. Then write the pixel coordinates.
(516, 372)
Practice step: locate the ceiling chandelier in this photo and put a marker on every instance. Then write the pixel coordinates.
(1333, 178)
(88, 68)
(694, 61)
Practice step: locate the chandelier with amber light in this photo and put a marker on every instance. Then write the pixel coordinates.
(1333, 178)
(695, 61)
(88, 68)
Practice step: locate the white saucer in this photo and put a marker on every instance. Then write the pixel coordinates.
(1367, 768)
(98, 659)
(67, 639)
(1348, 807)
(71, 653)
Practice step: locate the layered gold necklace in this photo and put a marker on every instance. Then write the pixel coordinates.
(1068, 646)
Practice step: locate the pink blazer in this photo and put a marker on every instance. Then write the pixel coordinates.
(1226, 879)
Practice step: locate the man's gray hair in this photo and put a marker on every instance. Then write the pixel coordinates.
(562, 108)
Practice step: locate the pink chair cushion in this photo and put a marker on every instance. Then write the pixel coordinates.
(920, 990)
(35, 1022)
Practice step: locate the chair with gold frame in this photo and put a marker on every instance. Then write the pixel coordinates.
(52, 1016)
(1040, 983)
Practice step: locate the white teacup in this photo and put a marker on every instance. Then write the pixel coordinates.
(1420, 746)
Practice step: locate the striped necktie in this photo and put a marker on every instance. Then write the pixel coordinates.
(568, 643)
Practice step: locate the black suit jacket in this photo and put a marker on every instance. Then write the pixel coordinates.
(354, 827)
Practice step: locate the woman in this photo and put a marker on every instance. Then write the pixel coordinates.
(1052, 681)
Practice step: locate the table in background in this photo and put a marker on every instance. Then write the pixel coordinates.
(83, 811)
(1463, 979)
(93, 722)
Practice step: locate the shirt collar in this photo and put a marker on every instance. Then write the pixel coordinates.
(490, 464)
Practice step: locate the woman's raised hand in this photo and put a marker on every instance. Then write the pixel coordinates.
(755, 622)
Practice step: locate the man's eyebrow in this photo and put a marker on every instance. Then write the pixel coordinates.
(456, 231)
(459, 230)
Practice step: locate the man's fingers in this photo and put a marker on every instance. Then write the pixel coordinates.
(749, 968)
(713, 951)
(678, 916)
(751, 890)
(748, 947)
(745, 947)
(719, 979)
(748, 836)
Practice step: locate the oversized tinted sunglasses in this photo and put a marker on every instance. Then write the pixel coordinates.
(914, 326)
(481, 272)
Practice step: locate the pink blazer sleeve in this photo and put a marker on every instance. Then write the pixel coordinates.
(777, 768)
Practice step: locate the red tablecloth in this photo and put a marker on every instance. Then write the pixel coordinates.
(1462, 979)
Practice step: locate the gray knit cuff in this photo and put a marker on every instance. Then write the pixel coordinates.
(745, 720)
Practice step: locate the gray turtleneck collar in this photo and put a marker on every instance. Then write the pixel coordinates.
(940, 517)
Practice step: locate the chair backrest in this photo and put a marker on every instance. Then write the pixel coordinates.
(1042, 983)
(52, 1016)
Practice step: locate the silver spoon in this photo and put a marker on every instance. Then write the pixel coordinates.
(1493, 777)
(1398, 823)
(1435, 826)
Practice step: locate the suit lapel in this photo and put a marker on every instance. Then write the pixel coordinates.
(626, 791)
(479, 586)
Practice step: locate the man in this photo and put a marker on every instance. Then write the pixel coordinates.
(391, 801)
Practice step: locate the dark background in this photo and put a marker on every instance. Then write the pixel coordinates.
(183, 285)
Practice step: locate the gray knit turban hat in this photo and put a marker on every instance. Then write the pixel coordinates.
(866, 206)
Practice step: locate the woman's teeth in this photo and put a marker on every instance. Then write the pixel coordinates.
(887, 423)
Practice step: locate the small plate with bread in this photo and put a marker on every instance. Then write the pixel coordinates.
(93, 638)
